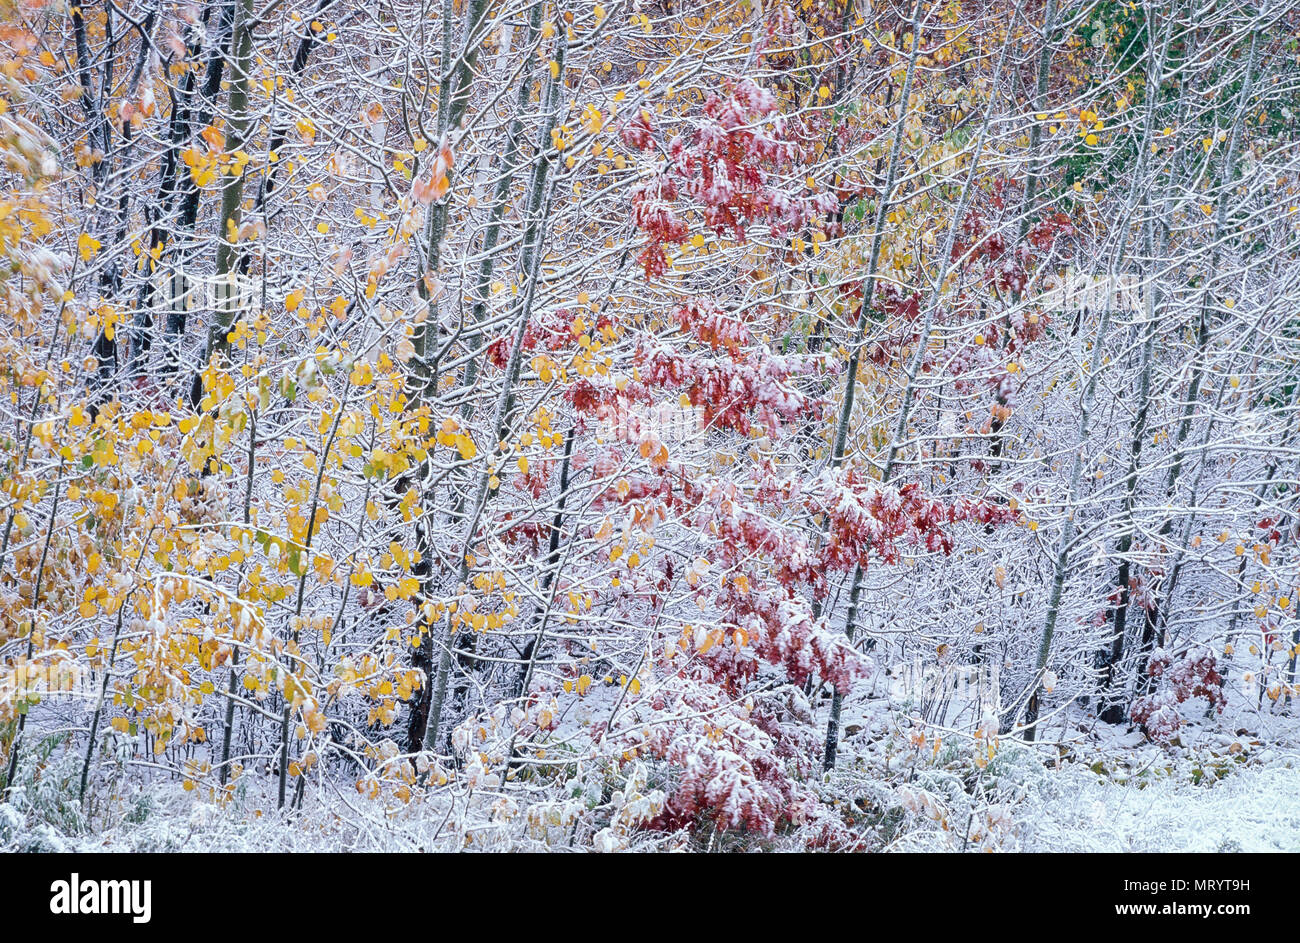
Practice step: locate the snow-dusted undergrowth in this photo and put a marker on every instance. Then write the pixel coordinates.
(1253, 810)
(1229, 797)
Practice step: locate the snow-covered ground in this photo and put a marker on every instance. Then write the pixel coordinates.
(1229, 783)
(1252, 810)
(1228, 794)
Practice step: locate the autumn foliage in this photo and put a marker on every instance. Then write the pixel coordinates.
(575, 411)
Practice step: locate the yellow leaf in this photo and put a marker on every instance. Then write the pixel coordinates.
(87, 245)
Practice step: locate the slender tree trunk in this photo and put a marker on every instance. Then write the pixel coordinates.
(183, 251)
(454, 97)
(16, 745)
(1112, 712)
(909, 384)
(1152, 621)
(232, 193)
(1156, 58)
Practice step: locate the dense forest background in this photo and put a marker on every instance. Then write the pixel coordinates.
(715, 425)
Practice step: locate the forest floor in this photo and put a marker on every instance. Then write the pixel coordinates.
(1231, 783)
